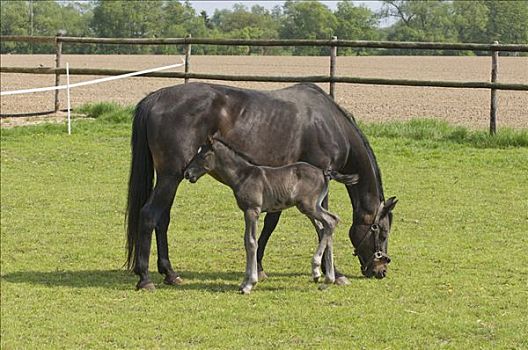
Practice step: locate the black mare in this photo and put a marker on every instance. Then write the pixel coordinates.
(274, 128)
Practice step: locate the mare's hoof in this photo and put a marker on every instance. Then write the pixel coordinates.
(145, 285)
(173, 280)
(262, 276)
(316, 279)
(342, 281)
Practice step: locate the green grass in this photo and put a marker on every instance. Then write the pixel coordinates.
(458, 279)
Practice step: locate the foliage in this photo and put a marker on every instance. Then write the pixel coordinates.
(481, 21)
(307, 20)
(355, 23)
(462, 210)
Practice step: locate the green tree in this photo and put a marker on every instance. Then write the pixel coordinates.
(507, 22)
(14, 20)
(177, 21)
(242, 23)
(307, 20)
(43, 18)
(355, 23)
(127, 19)
(421, 21)
(471, 21)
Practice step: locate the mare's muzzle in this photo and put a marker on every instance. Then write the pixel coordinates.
(376, 266)
(189, 176)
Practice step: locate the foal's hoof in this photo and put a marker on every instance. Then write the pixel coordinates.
(342, 281)
(145, 285)
(262, 276)
(245, 290)
(173, 280)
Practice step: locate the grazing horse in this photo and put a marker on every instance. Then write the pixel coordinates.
(260, 189)
(274, 128)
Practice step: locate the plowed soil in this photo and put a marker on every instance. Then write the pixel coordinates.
(468, 107)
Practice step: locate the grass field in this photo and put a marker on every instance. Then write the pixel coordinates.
(458, 279)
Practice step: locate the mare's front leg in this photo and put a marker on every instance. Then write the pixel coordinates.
(250, 243)
(270, 222)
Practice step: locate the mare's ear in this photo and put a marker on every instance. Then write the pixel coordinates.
(389, 205)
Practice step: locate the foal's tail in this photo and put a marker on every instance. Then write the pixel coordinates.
(141, 180)
(348, 180)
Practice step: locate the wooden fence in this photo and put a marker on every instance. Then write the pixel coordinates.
(332, 78)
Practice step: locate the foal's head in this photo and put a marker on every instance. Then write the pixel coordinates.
(370, 240)
(202, 163)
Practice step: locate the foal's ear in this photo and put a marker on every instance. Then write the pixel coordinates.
(213, 137)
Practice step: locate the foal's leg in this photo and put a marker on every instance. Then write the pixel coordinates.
(324, 249)
(159, 202)
(250, 243)
(270, 222)
(340, 279)
(316, 260)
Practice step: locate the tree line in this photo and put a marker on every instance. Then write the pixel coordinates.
(479, 21)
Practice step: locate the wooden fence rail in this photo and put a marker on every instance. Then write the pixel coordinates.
(274, 79)
(332, 78)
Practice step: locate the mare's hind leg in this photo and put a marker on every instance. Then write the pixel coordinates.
(159, 202)
(164, 264)
(270, 222)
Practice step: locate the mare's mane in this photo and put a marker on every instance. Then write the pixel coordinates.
(352, 120)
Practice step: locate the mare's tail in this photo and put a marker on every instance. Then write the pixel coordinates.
(141, 179)
(348, 180)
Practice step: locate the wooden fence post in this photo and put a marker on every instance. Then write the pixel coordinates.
(494, 100)
(333, 55)
(187, 59)
(58, 53)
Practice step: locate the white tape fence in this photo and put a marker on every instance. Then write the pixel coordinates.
(69, 86)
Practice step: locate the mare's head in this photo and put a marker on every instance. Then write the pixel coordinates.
(202, 163)
(370, 238)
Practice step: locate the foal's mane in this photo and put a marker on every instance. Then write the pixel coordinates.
(236, 152)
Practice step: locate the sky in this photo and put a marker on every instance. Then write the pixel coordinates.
(211, 6)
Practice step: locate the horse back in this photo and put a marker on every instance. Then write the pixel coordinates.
(299, 123)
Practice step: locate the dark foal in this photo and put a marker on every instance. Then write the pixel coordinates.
(270, 189)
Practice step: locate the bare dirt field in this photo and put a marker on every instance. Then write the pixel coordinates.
(468, 107)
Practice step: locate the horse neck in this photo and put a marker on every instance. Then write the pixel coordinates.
(229, 165)
(365, 201)
(367, 195)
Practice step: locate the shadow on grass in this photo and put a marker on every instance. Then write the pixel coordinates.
(212, 281)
